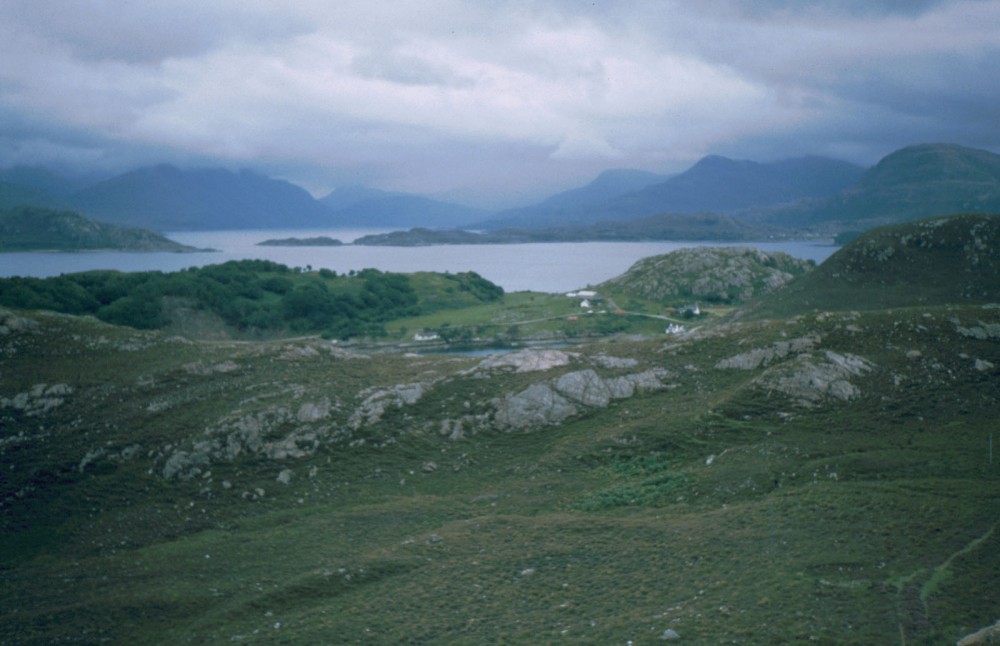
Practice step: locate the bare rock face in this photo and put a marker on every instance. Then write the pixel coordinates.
(988, 635)
(377, 403)
(813, 378)
(537, 405)
(757, 357)
(527, 360)
(585, 387)
(550, 402)
(41, 399)
(11, 323)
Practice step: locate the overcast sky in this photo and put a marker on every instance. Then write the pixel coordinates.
(490, 103)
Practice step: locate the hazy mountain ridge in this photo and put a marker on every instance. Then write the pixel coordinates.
(714, 184)
(168, 198)
(607, 185)
(810, 193)
(367, 207)
(913, 182)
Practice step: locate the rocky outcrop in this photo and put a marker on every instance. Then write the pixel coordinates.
(988, 635)
(815, 377)
(274, 433)
(549, 403)
(758, 357)
(12, 323)
(378, 402)
(537, 405)
(527, 360)
(41, 399)
(982, 332)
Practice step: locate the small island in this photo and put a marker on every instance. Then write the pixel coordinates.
(319, 241)
(666, 226)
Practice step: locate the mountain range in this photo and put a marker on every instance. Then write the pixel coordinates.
(808, 193)
(368, 207)
(714, 184)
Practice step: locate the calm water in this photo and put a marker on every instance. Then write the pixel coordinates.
(543, 267)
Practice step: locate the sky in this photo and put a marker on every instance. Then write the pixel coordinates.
(491, 104)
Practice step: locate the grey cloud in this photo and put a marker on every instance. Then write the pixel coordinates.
(493, 102)
(144, 32)
(408, 70)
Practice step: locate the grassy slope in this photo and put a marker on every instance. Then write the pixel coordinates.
(848, 522)
(933, 261)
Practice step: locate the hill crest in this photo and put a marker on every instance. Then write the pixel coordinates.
(934, 261)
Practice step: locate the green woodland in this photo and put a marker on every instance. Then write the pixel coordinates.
(254, 297)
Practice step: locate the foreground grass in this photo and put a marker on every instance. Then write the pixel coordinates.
(712, 508)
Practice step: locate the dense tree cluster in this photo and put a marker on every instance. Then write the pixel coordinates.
(253, 296)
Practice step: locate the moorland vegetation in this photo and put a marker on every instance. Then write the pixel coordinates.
(799, 468)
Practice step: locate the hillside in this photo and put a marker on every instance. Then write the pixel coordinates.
(166, 198)
(26, 228)
(930, 262)
(823, 478)
(710, 275)
(911, 183)
(366, 207)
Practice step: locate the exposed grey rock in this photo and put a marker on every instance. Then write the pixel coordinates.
(551, 402)
(185, 465)
(982, 331)
(375, 405)
(585, 387)
(11, 323)
(199, 368)
(537, 405)
(982, 365)
(670, 633)
(988, 635)
(313, 412)
(813, 378)
(605, 361)
(285, 476)
(41, 399)
(757, 357)
(527, 360)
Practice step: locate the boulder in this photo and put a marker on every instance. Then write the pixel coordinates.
(537, 405)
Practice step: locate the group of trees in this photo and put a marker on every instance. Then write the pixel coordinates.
(253, 296)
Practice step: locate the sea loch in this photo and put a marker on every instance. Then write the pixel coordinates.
(543, 267)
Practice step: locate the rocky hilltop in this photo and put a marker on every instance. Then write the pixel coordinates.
(714, 274)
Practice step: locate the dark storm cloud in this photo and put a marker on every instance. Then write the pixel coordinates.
(503, 100)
